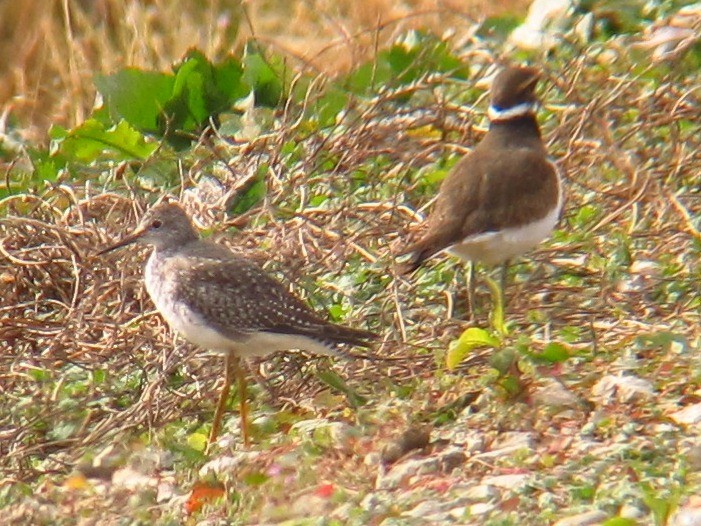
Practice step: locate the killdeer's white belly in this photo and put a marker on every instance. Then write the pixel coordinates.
(193, 327)
(498, 246)
(494, 247)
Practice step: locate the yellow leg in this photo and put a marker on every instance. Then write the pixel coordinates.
(230, 365)
(243, 402)
(471, 305)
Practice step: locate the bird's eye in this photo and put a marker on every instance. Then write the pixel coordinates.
(156, 223)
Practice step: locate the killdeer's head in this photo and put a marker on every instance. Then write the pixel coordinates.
(513, 93)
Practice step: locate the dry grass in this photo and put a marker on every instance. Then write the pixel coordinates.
(50, 51)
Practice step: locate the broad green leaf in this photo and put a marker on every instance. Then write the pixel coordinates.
(370, 75)
(47, 166)
(255, 478)
(264, 76)
(470, 339)
(553, 353)
(136, 96)
(202, 90)
(474, 337)
(91, 139)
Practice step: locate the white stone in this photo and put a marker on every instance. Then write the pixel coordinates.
(583, 519)
(481, 492)
(512, 481)
(480, 508)
(545, 20)
(424, 509)
(623, 388)
(129, 479)
(510, 439)
(373, 458)
(400, 473)
(552, 393)
(226, 464)
(690, 415)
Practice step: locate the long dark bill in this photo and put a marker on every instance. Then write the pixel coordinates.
(124, 242)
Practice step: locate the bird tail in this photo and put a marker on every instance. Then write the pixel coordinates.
(417, 253)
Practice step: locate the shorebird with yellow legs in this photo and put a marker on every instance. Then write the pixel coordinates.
(221, 301)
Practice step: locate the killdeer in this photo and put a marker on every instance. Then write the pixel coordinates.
(222, 302)
(503, 198)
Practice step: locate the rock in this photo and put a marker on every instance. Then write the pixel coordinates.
(400, 473)
(583, 519)
(552, 393)
(373, 503)
(481, 492)
(693, 457)
(131, 480)
(624, 389)
(342, 436)
(511, 482)
(227, 464)
(471, 441)
(372, 459)
(690, 415)
(309, 505)
(631, 511)
(451, 458)
(544, 23)
(480, 508)
(425, 509)
(514, 439)
(411, 439)
(688, 514)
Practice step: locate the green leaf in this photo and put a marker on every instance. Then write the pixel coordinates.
(178, 104)
(250, 197)
(202, 90)
(197, 441)
(264, 76)
(136, 96)
(255, 478)
(498, 26)
(91, 139)
(334, 381)
(552, 353)
(371, 74)
(470, 339)
(620, 521)
(329, 106)
(414, 55)
(512, 385)
(503, 360)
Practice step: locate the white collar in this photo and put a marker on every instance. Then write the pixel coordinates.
(504, 114)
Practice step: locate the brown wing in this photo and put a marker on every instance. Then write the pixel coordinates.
(238, 297)
(486, 192)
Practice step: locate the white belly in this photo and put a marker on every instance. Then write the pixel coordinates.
(495, 247)
(192, 327)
